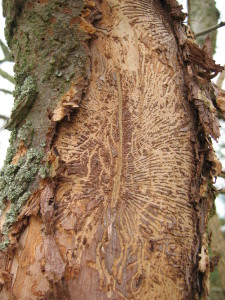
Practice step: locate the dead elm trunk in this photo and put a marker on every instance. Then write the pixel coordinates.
(123, 115)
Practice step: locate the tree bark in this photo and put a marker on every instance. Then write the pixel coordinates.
(208, 17)
(121, 188)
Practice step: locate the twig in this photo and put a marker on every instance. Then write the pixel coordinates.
(3, 60)
(216, 289)
(221, 24)
(6, 91)
(222, 175)
(5, 50)
(4, 117)
(221, 191)
(7, 76)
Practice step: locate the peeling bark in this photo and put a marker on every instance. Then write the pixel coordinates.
(209, 17)
(122, 211)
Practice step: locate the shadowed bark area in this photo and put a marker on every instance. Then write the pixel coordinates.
(122, 211)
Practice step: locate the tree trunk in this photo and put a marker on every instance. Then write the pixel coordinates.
(218, 246)
(202, 15)
(110, 171)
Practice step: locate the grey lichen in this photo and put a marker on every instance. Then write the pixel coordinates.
(28, 89)
(44, 171)
(26, 132)
(14, 185)
(11, 149)
(11, 217)
(15, 178)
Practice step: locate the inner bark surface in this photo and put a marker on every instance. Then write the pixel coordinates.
(129, 163)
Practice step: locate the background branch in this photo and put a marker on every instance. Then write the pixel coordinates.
(221, 191)
(222, 175)
(7, 76)
(6, 91)
(210, 29)
(6, 52)
(4, 117)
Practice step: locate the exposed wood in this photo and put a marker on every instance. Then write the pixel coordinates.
(220, 79)
(119, 170)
